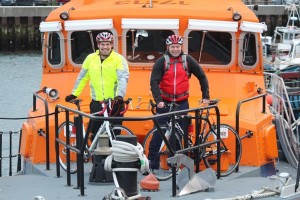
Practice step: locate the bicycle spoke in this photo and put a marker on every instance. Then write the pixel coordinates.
(119, 130)
(229, 141)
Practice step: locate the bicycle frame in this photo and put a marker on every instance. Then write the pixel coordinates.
(169, 132)
(104, 127)
(206, 121)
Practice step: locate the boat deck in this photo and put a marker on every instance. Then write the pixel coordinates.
(40, 182)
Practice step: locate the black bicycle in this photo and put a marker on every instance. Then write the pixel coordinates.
(229, 142)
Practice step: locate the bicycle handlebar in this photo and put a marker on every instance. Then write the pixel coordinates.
(213, 101)
(167, 105)
(101, 112)
(76, 102)
(126, 105)
(108, 101)
(170, 105)
(104, 102)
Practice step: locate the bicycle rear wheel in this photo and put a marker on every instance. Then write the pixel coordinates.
(63, 149)
(164, 172)
(230, 141)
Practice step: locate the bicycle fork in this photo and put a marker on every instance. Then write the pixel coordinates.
(167, 135)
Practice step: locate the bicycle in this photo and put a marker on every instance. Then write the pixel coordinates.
(229, 140)
(106, 128)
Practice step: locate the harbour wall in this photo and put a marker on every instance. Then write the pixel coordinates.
(19, 28)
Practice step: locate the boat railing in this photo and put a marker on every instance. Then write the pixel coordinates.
(81, 142)
(237, 118)
(43, 133)
(281, 103)
(9, 150)
(287, 125)
(268, 2)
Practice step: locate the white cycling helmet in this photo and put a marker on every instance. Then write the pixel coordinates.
(174, 39)
(105, 37)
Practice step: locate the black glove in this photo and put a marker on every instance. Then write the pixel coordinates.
(70, 97)
(118, 99)
(117, 106)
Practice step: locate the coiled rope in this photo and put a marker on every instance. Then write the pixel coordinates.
(257, 195)
(126, 152)
(263, 193)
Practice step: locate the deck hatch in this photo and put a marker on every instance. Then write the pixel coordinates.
(210, 25)
(162, 24)
(50, 26)
(81, 25)
(253, 27)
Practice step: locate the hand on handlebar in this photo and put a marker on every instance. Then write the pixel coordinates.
(160, 105)
(173, 106)
(205, 101)
(118, 99)
(70, 97)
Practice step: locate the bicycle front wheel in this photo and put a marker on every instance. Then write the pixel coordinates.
(62, 129)
(164, 172)
(119, 130)
(231, 149)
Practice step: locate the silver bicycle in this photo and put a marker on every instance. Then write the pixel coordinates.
(106, 128)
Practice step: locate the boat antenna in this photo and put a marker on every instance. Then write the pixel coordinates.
(91, 39)
(293, 11)
(132, 43)
(202, 43)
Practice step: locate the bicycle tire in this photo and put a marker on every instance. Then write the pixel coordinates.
(63, 150)
(229, 158)
(164, 171)
(119, 130)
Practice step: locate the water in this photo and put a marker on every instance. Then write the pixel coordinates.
(20, 77)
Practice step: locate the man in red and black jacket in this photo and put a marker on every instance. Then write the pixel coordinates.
(170, 83)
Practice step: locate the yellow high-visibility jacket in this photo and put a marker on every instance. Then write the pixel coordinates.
(107, 79)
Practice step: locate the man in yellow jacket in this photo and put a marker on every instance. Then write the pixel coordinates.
(107, 72)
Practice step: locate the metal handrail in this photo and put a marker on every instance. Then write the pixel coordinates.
(80, 150)
(10, 154)
(237, 118)
(46, 135)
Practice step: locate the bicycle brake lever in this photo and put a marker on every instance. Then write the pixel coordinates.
(131, 107)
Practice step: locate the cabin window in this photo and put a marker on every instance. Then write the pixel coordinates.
(82, 44)
(248, 50)
(146, 46)
(54, 50)
(208, 47)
